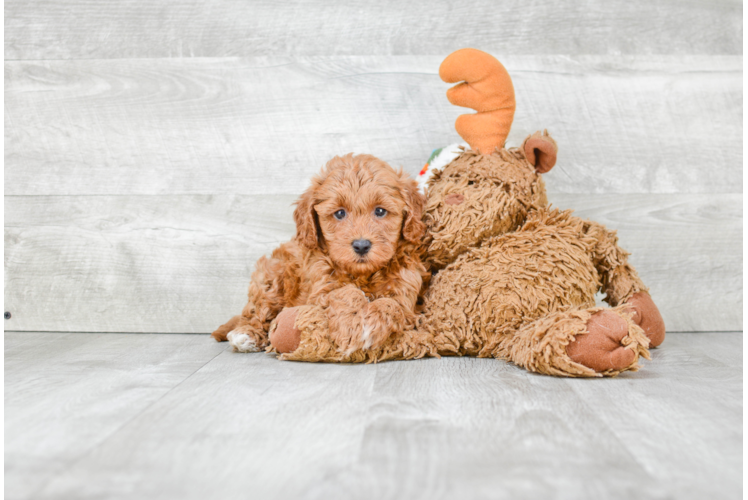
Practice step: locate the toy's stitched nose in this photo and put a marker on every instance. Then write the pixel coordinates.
(361, 247)
(454, 199)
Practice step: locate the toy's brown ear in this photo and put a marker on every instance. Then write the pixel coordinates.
(541, 150)
(307, 231)
(413, 227)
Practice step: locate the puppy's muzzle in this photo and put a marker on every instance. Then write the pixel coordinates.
(361, 247)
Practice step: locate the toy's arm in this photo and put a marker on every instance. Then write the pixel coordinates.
(621, 283)
(385, 316)
(357, 323)
(303, 334)
(344, 308)
(619, 279)
(343, 325)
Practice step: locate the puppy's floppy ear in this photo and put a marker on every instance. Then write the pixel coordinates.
(413, 228)
(307, 231)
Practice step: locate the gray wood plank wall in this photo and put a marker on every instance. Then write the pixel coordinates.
(84, 29)
(153, 149)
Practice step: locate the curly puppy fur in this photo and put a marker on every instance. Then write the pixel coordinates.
(366, 295)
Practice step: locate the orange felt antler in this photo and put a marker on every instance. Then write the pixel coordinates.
(487, 88)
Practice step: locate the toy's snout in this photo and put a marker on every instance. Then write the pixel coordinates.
(454, 199)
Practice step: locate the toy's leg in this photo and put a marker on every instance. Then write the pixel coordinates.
(622, 285)
(644, 313)
(303, 334)
(577, 343)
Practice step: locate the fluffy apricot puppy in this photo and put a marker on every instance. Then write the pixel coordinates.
(356, 255)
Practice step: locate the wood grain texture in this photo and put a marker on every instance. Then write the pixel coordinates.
(150, 263)
(691, 369)
(85, 29)
(646, 124)
(182, 263)
(745, 275)
(249, 426)
(642, 435)
(66, 394)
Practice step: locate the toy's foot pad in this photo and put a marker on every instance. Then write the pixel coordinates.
(648, 317)
(285, 337)
(600, 348)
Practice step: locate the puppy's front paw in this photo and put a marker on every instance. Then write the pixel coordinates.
(242, 341)
(367, 337)
(383, 317)
(362, 331)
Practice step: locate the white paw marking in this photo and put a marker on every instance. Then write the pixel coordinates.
(241, 342)
(366, 335)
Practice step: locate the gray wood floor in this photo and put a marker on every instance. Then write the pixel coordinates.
(180, 416)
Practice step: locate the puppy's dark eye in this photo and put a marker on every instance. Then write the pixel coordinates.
(470, 183)
(380, 212)
(340, 214)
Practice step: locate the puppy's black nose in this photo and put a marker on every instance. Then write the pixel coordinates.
(361, 247)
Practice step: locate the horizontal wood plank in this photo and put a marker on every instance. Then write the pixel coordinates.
(85, 29)
(250, 428)
(745, 276)
(265, 125)
(182, 263)
(104, 419)
(681, 415)
(65, 394)
(135, 264)
(547, 437)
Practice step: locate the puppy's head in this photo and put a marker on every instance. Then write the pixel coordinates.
(360, 211)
